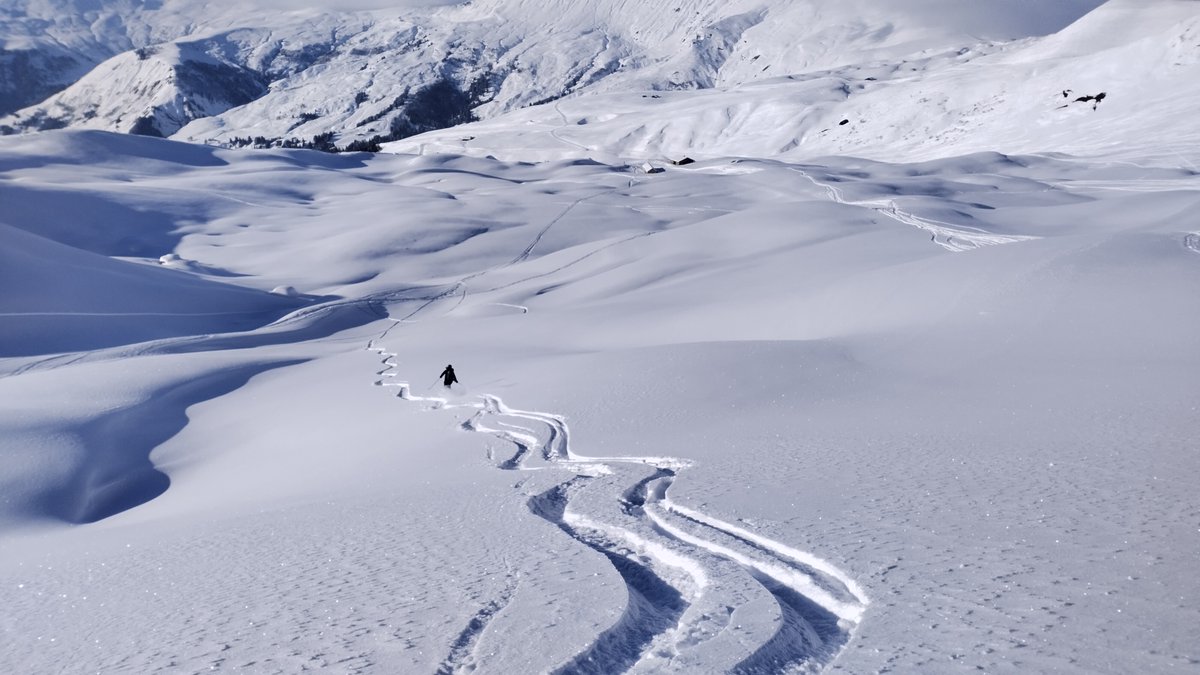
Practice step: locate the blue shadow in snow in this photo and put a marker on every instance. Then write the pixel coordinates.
(116, 473)
(654, 605)
(807, 638)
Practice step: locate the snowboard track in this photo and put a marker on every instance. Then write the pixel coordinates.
(663, 552)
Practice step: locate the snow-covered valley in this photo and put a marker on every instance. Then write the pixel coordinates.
(895, 402)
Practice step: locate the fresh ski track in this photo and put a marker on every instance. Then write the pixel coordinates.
(682, 569)
(952, 237)
(565, 123)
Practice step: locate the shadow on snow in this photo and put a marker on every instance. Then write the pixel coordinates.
(116, 473)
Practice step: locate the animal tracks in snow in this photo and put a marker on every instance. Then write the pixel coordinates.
(700, 589)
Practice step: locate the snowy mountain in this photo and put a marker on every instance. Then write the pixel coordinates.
(1142, 61)
(175, 83)
(897, 375)
(391, 74)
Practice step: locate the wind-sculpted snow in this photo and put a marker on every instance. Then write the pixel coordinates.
(103, 302)
(117, 474)
(674, 560)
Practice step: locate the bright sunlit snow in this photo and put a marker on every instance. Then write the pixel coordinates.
(916, 393)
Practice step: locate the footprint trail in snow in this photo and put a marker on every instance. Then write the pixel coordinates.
(703, 593)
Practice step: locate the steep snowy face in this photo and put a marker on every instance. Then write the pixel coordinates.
(43, 49)
(171, 83)
(395, 72)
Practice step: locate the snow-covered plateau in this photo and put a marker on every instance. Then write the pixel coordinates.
(899, 374)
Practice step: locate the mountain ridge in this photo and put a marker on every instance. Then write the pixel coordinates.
(355, 75)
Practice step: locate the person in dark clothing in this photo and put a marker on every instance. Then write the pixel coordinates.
(448, 377)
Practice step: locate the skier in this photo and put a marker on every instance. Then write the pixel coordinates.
(448, 377)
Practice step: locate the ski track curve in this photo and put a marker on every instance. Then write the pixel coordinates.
(673, 560)
(952, 237)
(654, 605)
(564, 123)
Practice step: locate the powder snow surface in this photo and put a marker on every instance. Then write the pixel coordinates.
(760, 413)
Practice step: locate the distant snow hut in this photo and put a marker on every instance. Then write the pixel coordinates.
(683, 162)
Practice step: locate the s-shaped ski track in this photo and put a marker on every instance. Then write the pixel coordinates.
(698, 587)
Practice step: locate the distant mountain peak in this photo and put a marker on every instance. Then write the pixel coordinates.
(181, 68)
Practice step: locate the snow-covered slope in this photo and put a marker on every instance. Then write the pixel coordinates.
(391, 74)
(1140, 58)
(740, 416)
(911, 393)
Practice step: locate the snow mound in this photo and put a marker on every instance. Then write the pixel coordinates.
(63, 299)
